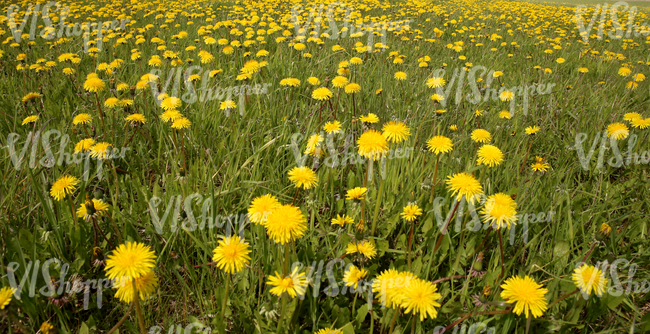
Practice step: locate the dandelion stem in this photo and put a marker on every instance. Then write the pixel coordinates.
(97, 228)
(444, 229)
(74, 214)
(183, 151)
(225, 300)
(392, 322)
(501, 251)
(410, 243)
(119, 323)
(101, 114)
(378, 201)
(435, 175)
(563, 298)
(523, 163)
(138, 311)
(284, 304)
(295, 196)
(589, 252)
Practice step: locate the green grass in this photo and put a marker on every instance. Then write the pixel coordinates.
(233, 159)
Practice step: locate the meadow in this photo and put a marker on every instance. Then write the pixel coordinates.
(324, 167)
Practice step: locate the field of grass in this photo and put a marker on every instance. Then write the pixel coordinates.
(480, 204)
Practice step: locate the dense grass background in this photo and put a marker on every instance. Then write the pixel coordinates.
(232, 159)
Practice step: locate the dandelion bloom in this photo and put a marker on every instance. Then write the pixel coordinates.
(232, 254)
(170, 102)
(631, 116)
(314, 145)
(100, 150)
(618, 131)
(98, 206)
(340, 82)
(605, 229)
(352, 88)
(463, 184)
(396, 132)
(411, 212)
(389, 287)
(499, 211)
(589, 278)
(356, 193)
(641, 123)
(342, 220)
(421, 297)
(94, 84)
(505, 114)
(540, 165)
(370, 118)
(181, 123)
(400, 75)
(229, 104)
(372, 144)
(437, 97)
(295, 284)
(624, 71)
(170, 115)
(583, 70)
(82, 119)
(30, 119)
(64, 185)
(314, 81)
(286, 222)
(435, 82)
(31, 96)
(506, 95)
(332, 127)
(261, 207)
(531, 130)
(136, 118)
(47, 328)
(367, 248)
(321, 94)
(638, 77)
(5, 296)
(481, 136)
(130, 260)
(353, 276)
(145, 284)
(291, 82)
(303, 177)
(439, 144)
(489, 155)
(84, 145)
(526, 294)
